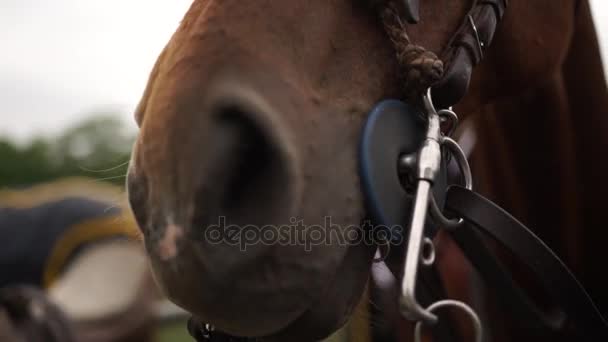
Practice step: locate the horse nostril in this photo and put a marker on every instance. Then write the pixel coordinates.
(254, 164)
(251, 175)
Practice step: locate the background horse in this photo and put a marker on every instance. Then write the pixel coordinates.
(253, 112)
(71, 266)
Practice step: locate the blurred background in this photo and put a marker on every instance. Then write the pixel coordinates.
(71, 74)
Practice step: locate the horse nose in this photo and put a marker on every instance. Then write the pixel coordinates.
(227, 159)
(253, 174)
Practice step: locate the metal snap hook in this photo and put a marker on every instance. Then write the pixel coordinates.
(477, 327)
(428, 165)
(428, 101)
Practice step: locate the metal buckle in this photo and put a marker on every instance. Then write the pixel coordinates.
(480, 44)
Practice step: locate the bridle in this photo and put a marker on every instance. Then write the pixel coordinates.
(449, 75)
(407, 143)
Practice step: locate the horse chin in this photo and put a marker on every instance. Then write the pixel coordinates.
(253, 304)
(338, 302)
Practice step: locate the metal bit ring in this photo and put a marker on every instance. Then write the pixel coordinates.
(477, 327)
(461, 159)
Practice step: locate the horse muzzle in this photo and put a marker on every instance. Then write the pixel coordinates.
(207, 190)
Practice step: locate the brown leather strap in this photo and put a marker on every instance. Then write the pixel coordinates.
(559, 282)
(466, 49)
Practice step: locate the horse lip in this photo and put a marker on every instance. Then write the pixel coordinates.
(215, 284)
(277, 335)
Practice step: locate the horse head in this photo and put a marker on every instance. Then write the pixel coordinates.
(251, 118)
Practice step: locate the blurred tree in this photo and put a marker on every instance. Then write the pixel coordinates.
(98, 148)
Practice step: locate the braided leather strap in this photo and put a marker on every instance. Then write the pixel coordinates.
(420, 68)
(449, 76)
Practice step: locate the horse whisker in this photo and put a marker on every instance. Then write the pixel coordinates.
(104, 170)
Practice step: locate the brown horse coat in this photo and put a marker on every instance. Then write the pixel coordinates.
(540, 150)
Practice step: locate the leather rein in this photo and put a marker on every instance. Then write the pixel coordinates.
(394, 134)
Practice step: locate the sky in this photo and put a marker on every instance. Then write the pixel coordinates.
(64, 59)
